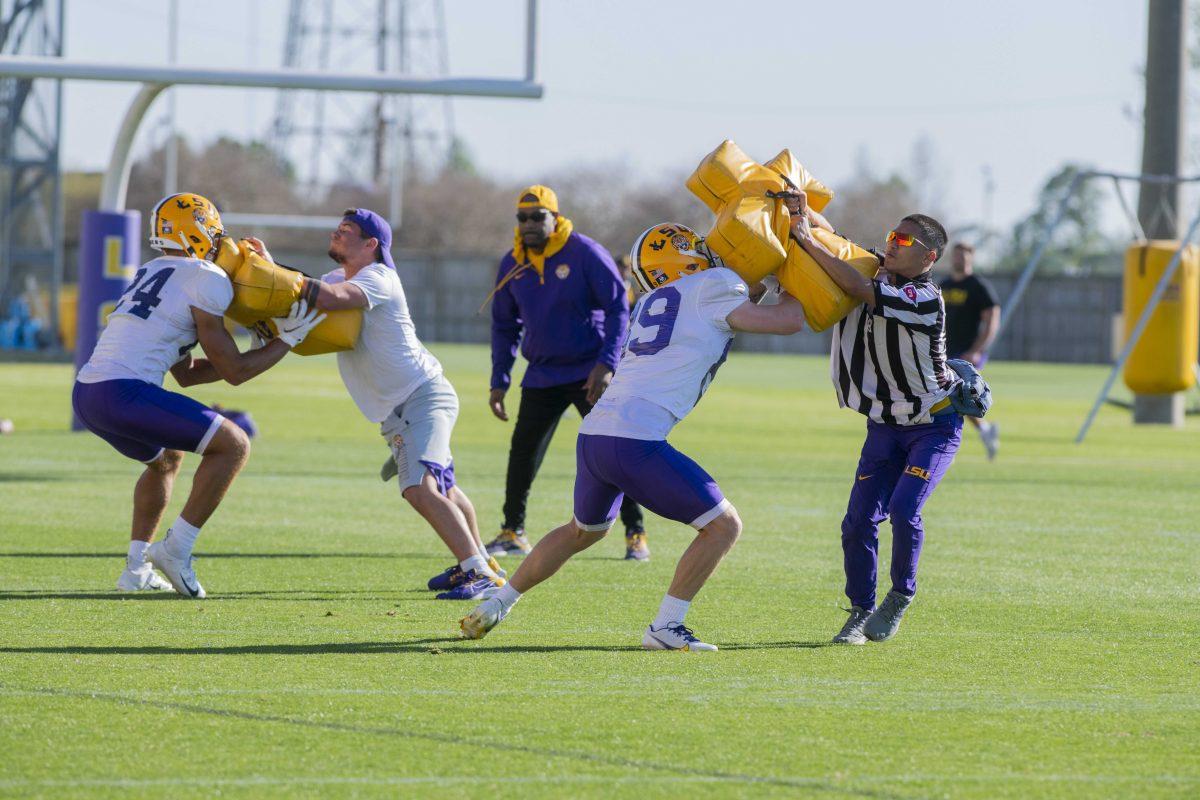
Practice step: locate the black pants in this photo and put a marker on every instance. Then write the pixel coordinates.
(537, 419)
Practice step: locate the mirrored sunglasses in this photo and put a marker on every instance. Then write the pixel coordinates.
(905, 240)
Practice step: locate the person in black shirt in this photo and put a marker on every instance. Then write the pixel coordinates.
(972, 319)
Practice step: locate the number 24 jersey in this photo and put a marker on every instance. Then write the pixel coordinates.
(151, 327)
(678, 338)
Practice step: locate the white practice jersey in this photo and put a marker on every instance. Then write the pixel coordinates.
(678, 338)
(389, 362)
(151, 327)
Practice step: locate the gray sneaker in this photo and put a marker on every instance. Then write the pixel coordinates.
(885, 620)
(852, 631)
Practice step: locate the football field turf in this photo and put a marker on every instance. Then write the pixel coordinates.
(1051, 650)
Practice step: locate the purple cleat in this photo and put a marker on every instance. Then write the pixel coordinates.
(446, 580)
(472, 585)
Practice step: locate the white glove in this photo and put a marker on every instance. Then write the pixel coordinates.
(297, 324)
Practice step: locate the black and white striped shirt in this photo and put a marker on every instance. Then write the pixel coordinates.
(889, 362)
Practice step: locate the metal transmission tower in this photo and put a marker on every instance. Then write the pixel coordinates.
(340, 138)
(30, 176)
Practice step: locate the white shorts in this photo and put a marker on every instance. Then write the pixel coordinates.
(418, 432)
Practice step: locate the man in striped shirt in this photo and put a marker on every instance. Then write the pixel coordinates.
(888, 362)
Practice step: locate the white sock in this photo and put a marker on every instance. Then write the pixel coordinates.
(483, 553)
(182, 538)
(137, 554)
(672, 610)
(507, 595)
(477, 563)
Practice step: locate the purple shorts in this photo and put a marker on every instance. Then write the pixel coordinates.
(654, 474)
(141, 420)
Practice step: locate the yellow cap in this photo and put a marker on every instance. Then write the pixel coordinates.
(538, 196)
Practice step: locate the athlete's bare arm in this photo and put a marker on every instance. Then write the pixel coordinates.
(193, 371)
(850, 280)
(784, 318)
(231, 365)
(330, 296)
(336, 296)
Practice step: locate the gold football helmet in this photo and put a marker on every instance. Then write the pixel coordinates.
(668, 252)
(187, 222)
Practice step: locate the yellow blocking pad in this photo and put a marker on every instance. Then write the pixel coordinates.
(262, 290)
(786, 165)
(744, 237)
(338, 331)
(746, 234)
(802, 277)
(1164, 359)
(751, 232)
(726, 173)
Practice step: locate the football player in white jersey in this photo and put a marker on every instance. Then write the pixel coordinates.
(173, 303)
(679, 335)
(398, 384)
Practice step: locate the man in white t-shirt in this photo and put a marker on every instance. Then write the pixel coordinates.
(679, 335)
(173, 303)
(398, 384)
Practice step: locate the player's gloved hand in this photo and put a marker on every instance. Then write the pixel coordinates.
(260, 334)
(297, 324)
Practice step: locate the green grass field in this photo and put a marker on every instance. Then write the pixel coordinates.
(1051, 650)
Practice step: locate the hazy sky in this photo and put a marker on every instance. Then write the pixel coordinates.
(1018, 87)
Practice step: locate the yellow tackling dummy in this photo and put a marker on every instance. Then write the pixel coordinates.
(262, 290)
(751, 231)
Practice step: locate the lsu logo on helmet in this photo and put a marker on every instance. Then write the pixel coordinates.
(666, 253)
(187, 222)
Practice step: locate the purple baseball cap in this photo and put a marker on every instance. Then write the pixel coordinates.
(373, 225)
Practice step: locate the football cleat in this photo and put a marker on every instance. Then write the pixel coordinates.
(496, 568)
(852, 631)
(447, 580)
(674, 636)
(482, 619)
(885, 620)
(472, 585)
(187, 222)
(509, 542)
(667, 252)
(143, 579)
(636, 547)
(178, 570)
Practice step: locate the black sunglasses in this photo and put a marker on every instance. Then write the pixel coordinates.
(534, 216)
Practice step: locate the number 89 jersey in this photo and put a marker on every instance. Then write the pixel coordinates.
(151, 326)
(678, 338)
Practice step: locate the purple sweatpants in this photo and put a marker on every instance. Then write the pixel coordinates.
(899, 468)
(140, 419)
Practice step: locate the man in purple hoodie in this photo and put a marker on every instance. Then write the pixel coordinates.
(560, 297)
